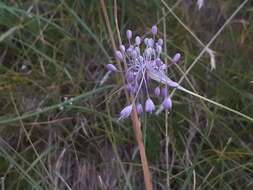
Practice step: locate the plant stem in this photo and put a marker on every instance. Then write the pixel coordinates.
(139, 138)
(134, 116)
(217, 104)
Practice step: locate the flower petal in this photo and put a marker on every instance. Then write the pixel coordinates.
(160, 77)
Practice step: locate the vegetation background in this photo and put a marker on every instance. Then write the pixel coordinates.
(55, 50)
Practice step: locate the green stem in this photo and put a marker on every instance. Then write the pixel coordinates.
(216, 103)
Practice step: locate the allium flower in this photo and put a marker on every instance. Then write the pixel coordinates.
(119, 55)
(139, 108)
(167, 103)
(200, 3)
(157, 91)
(176, 58)
(126, 112)
(111, 67)
(143, 63)
(129, 34)
(154, 30)
(164, 92)
(149, 105)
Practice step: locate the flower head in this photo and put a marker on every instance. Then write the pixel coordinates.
(144, 65)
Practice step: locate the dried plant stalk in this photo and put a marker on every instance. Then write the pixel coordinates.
(134, 116)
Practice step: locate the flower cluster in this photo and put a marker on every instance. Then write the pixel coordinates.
(143, 63)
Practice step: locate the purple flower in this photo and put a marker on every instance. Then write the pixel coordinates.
(160, 42)
(126, 112)
(139, 108)
(200, 3)
(164, 92)
(119, 55)
(129, 34)
(130, 76)
(137, 40)
(131, 88)
(154, 30)
(149, 105)
(122, 48)
(146, 41)
(157, 91)
(176, 58)
(167, 103)
(143, 66)
(111, 67)
(150, 42)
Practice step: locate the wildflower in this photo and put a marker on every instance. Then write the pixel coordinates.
(167, 103)
(137, 40)
(154, 30)
(144, 65)
(119, 55)
(164, 92)
(157, 91)
(129, 34)
(160, 42)
(149, 105)
(111, 67)
(126, 112)
(200, 3)
(139, 108)
(176, 58)
(122, 48)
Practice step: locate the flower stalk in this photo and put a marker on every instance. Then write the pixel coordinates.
(134, 116)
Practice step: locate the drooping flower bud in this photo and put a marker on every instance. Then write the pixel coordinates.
(131, 88)
(167, 103)
(129, 34)
(157, 91)
(159, 49)
(200, 3)
(130, 76)
(137, 40)
(119, 55)
(139, 108)
(160, 42)
(111, 67)
(122, 48)
(134, 53)
(164, 92)
(149, 105)
(146, 41)
(150, 42)
(154, 30)
(176, 58)
(125, 112)
(137, 49)
(148, 52)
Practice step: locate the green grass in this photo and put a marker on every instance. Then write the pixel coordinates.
(66, 45)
